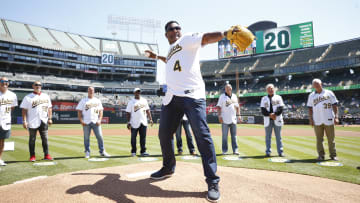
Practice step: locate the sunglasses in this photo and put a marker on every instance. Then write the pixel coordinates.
(4, 81)
(174, 28)
(37, 85)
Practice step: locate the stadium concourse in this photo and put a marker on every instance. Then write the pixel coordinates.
(67, 63)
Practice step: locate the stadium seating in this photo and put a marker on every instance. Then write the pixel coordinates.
(212, 67)
(268, 62)
(342, 49)
(303, 56)
(240, 64)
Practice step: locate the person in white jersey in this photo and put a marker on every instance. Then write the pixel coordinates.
(186, 95)
(229, 115)
(323, 115)
(272, 107)
(37, 116)
(90, 114)
(137, 112)
(184, 122)
(8, 101)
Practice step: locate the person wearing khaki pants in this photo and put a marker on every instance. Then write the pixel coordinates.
(323, 115)
(330, 134)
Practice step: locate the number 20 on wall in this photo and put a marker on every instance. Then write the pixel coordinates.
(277, 39)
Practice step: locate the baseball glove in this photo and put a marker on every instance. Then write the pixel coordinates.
(240, 36)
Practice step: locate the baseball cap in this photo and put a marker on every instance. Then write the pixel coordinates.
(137, 89)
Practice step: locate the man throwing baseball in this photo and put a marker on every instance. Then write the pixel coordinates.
(323, 114)
(8, 101)
(186, 95)
(37, 116)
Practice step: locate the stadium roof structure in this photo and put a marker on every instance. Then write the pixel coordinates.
(16, 32)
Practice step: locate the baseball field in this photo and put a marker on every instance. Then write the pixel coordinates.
(70, 170)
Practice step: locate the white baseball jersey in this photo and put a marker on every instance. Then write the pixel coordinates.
(37, 108)
(90, 109)
(183, 76)
(228, 110)
(276, 102)
(137, 108)
(322, 107)
(7, 101)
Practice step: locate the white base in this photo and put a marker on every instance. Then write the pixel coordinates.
(9, 146)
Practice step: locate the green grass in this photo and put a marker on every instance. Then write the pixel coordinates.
(258, 126)
(68, 153)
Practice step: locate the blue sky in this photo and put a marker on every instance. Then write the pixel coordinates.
(333, 20)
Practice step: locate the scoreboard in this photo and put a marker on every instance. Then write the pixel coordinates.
(285, 38)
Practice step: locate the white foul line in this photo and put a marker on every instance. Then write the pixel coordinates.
(30, 179)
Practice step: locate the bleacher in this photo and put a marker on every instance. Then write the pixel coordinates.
(51, 79)
(240, 64)
(212, 67)
(16, 32)
(304, 55)
(343, 49)
(268, 62)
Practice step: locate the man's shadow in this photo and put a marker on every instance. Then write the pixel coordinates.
(112, 187)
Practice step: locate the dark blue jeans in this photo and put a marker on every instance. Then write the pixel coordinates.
(142, 131)
(185, 124)
(195, 110)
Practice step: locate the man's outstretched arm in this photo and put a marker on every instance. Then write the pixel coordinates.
(152, 55)
(212, 37)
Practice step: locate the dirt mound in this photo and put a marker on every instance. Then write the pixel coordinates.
(130, 183)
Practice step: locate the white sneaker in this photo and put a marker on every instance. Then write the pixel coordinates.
(2, 163)
(105, 154)
(133, 154)
(87, 155)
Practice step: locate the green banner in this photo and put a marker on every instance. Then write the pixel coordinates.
(285, 38)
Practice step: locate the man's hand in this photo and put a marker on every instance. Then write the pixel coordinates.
(336, 121)
(151, 123)
(82, 123)
(129, 126)
(25, 125)
(311, 122)
(98, 123)
(150, 54)
(50, 122)
(273, 116)
(238, 119)
(220, 119)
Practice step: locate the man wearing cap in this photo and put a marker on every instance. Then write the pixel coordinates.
(37, 116)
(8, 101)
(136, 112)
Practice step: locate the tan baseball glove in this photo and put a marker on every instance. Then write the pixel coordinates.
(240, 36)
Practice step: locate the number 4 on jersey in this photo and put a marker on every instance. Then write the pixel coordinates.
(177, 66)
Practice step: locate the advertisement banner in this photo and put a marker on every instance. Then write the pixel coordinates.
(105, 120)
(248, 119)
(71, 106)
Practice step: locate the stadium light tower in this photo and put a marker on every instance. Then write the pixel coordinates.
(123, 23)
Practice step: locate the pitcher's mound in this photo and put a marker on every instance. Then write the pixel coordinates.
(131, 183)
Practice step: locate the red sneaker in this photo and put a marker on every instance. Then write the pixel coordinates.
(32, 158)
(48, 157)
